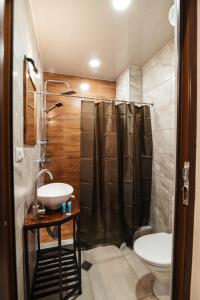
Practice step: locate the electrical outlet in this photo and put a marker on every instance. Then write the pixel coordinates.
(19, 154)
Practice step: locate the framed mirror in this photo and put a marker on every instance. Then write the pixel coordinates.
(30, 105)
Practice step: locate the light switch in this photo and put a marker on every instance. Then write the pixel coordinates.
(19, 154)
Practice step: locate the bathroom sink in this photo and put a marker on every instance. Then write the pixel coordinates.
(54, 194)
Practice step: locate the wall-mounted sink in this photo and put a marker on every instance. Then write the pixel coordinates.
(54, 194)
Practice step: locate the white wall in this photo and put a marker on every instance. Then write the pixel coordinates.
(195, 286)
(155, 82)
(25, 43)
(129, 84)
(159, 88)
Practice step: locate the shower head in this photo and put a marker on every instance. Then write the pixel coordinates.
(57, 104)
(69, 93)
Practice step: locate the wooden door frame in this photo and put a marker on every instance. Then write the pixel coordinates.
(186, 146)
(8, 282)
(186, 150)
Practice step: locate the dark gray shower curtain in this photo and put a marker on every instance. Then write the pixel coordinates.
(115, 178)
(135, 171)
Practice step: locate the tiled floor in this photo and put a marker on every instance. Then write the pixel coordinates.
(115, 275)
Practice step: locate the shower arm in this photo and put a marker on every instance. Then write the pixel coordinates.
(57, 104)
(49, 109)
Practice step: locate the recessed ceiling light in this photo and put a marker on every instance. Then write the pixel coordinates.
(121, 4)
(85, 87)
(94, 63)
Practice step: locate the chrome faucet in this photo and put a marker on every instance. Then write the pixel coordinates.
(36, 210)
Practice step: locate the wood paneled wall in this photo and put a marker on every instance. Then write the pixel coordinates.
(63, 126)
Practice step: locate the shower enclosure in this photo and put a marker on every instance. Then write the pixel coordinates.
(111, 163)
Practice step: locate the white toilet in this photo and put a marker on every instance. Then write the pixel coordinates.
(155, 250)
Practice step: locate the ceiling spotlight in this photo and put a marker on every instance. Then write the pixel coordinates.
(121, 4)
(84, 87)
(94, 63)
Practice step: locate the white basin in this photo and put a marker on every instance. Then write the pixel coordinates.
(54, 194)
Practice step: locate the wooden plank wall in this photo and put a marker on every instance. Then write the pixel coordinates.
(63, 127)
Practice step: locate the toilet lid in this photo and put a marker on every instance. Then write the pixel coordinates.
(156, 249)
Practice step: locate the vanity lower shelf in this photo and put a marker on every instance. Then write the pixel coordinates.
(53, 273)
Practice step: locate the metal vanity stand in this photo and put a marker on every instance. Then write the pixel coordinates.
(58, 269)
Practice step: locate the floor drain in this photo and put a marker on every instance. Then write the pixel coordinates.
(86, 265)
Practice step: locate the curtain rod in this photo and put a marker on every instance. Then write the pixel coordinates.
(92, 98)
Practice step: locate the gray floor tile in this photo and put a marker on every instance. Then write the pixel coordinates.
(115, 279)
(137, 265)
(87, 293)
(101, 254)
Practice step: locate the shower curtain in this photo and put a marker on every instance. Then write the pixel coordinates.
(115, 176)
(135, 172)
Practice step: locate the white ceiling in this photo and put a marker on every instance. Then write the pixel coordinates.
(71, 32)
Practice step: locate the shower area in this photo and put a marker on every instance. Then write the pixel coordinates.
(115, 171)
(102, 146)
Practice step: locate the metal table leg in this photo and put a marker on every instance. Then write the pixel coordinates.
(79, 252)
(74, 235)
(27, 264)
(38, 239)
(60, 261)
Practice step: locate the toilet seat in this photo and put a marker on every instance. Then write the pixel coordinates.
(155, 249)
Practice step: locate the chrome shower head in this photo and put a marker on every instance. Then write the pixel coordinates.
(57, 104)
(69, 93)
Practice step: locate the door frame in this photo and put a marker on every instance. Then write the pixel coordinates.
(8, 279)
(186, 151)
(186, 146)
